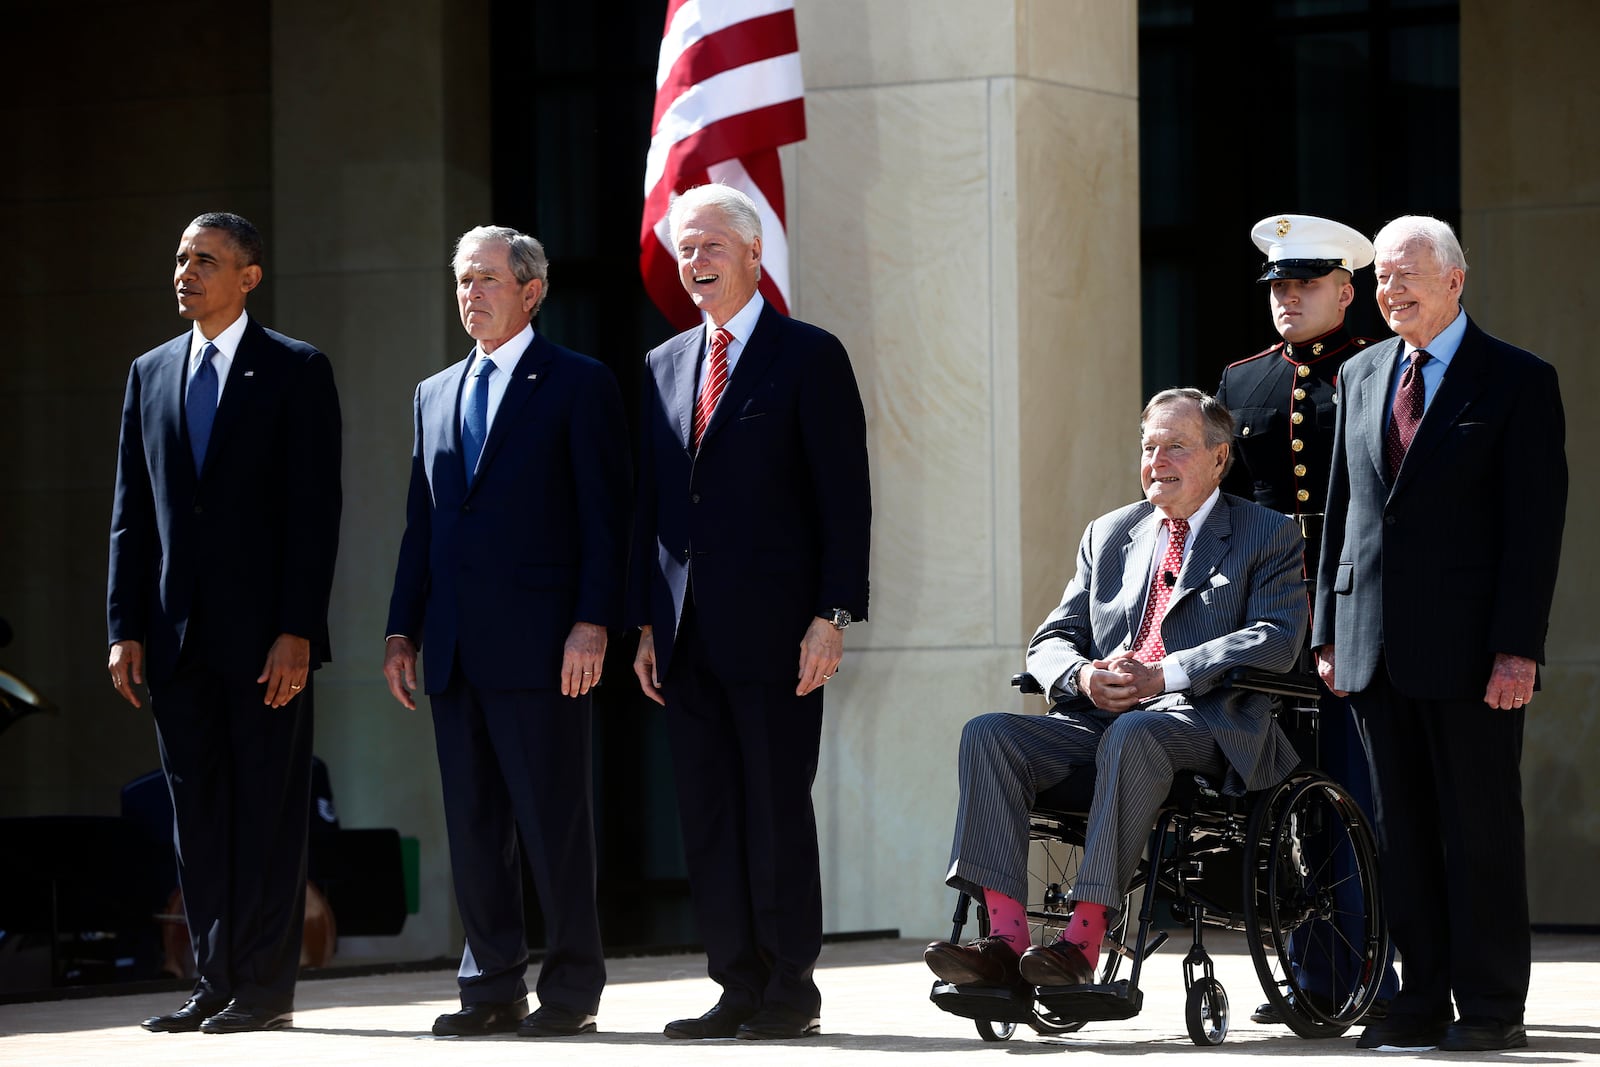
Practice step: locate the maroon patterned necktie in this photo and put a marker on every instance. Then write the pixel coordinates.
(1148, 647)
(1408, 406)
(716, 381)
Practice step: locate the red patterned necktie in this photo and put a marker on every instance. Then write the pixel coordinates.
(1148, 647)
(716, 381)
(1408, 405)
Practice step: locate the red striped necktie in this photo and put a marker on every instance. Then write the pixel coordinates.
(716, 381)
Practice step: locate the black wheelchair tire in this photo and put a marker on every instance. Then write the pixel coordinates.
(1206, 1012)
(1278, 902)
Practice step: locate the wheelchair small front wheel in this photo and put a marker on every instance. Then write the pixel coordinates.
(993, 1031)
(1207, 1012)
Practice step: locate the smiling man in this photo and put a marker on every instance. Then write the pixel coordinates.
(1285, 402)
(511, 569)
(750, 559)
(1445, 514)
(223, 535)
(1170, 594)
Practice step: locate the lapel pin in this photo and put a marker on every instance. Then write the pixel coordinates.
(249, 374)
(533, 377)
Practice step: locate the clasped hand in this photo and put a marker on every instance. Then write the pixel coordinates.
(1120, 683)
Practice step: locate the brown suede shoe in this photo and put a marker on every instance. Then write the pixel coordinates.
(1062, 963)
(985, 961)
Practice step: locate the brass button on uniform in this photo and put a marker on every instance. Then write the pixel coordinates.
(1299, 470)
(1303, 495)
(1297, 444)
(1245, 432)
(1303, 371)
(1299, 394)
(1297, 417)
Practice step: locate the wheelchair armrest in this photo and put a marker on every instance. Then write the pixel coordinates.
(1027, 683)
(1299, 684)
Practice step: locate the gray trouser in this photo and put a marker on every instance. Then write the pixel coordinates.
(1008, 758)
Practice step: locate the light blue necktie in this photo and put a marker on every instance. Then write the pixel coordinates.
(200, 406)
(475, 426)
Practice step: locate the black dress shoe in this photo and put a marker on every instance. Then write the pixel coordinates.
(551, 1021)
(477, 1019)
(1400, 1033)
(1476, 1034)
(776, 1024)
(1060, 964)
(187, 1019)
(983, 961)
(239, 1018)
(721, 1021)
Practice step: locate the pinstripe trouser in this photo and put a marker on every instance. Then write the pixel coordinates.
(1007, 758)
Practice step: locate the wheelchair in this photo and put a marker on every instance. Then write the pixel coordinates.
(1294, 866)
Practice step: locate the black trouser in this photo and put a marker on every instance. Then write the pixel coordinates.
(516, 769)
(240, 777)
(745, 757)
(1451, 843)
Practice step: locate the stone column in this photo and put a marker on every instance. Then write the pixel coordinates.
(380, 159)
(965, 216)
(1530, 207)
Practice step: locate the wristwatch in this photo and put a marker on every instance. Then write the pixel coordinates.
(840, 618)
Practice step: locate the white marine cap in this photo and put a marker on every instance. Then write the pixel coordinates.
(1305, 246)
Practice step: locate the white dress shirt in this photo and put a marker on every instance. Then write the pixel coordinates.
(505, 359)
(227, 343)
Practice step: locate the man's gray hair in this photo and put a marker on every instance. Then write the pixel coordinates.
(1435, 233)
(1214, 414)
(740, 210)
(527, 256)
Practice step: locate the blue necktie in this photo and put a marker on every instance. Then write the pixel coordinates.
(200, 406)
(475, 426)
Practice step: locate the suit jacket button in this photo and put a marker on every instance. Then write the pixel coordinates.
(199, 509)
(694, 499)
(466, 507)
(1388, 520)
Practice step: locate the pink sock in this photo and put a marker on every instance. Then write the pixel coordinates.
(1007, 918)
(1086, 928)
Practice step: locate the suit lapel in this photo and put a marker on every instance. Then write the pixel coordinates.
(1137, 555)
(1373, 399)
(1463, 381)
(171, 378)
(1205, 555)
(760, 350)
(527, 376)
(678, 374)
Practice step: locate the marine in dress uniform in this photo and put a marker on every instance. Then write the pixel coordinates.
(1285, 404)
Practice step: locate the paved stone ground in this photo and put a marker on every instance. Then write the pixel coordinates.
(875, 1010)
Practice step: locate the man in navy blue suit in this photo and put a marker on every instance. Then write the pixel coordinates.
(510, 571)
(224, 530)
(750, 558)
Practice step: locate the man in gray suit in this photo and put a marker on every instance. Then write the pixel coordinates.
(1170, 594)
(1446, 503)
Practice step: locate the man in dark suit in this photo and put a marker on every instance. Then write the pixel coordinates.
(1170, 594)
(1445, 511)
(1285, 402)
(224, 529)
(510, 571)
(750, 559)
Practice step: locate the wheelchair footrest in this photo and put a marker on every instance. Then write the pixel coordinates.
(1090, 1003)
(984, 1002)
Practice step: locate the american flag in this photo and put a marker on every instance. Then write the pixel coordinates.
(728, 93)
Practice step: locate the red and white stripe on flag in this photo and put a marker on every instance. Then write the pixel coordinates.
(728, 93)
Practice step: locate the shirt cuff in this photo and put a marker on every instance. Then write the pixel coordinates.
(1177, 679)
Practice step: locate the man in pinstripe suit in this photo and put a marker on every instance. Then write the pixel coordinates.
(1170, 594)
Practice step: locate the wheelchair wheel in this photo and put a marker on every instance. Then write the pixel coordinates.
(1206, 1012)
(1313, 915)
(992, 1031)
